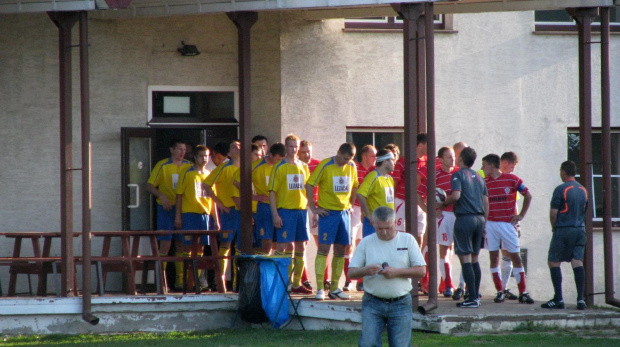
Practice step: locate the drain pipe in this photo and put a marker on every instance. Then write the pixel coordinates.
(606, 125)
(86, 172)
(431, 232)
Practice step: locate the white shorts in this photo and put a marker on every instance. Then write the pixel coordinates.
(400, 217)
(502, 233)
(356, 224)
(445, 229)
(313, 230)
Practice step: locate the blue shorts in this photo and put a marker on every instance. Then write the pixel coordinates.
(263, 221)
(294, 226)
(165, 221)
(367, 228)
(335, 228)
(194, 221)
(230, 221)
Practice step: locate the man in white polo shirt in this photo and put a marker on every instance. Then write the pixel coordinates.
(388, 260)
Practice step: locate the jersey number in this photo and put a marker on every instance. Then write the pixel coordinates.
(324, 236)
(284, 234)
(399, 222)
(445, 236)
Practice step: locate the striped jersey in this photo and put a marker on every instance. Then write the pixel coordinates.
(442, 180)
(503, 196)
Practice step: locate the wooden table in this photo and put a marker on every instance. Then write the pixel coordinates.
(31, 266)
(130, 250)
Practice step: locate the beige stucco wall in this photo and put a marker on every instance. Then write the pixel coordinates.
(499, 87)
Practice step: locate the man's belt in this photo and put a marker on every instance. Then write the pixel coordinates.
(387, 300)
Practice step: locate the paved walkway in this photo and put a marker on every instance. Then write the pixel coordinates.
(447, 318)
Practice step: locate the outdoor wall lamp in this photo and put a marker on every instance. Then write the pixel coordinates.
(188, 50)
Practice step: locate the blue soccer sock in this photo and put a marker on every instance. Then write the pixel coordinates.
(556, 279)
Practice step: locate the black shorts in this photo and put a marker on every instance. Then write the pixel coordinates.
(567, 244)
(468, 234)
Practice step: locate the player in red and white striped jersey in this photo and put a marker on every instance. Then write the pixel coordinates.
(500, 226)
(445, 229)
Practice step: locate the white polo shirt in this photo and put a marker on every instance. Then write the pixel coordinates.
(400, 252)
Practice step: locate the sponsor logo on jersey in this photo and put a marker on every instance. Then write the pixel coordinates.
(295, 182)
(389, 195)
(341, 184)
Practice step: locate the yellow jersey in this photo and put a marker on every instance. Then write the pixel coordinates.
(236, 193)
(288, 182)
(194, 198)
(222, 178)
(378, 190)
(165, 177)
(335, 184)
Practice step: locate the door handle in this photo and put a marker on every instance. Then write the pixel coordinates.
(137, 186)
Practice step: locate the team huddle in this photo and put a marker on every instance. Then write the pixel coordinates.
(335, 200)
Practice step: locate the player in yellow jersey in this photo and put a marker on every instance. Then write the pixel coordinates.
(162, 184)
(288, 203)
(263, 220)
(377, 189)
(336, 178)
(194, 208)
(230, 217)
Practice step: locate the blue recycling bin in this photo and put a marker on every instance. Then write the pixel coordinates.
(265, 278)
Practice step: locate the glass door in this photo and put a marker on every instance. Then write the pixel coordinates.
(137, 154)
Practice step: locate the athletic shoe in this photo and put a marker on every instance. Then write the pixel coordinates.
(307, 285)
(301, 290)
(448, 292)
(509, 295)
(458, 294)
(338, 294)
(320, 294)
(467, 295)
(553, 304)
(499, 297)
(525, 299)
(346, 286)
(469, 304)
(581, 305)
(359, 286)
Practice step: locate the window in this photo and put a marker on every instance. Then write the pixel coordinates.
(192, 105)
(597, 170)
(559, 20)
(378, 137)
(442, 22)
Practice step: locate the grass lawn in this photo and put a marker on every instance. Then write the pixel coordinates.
(292, 338)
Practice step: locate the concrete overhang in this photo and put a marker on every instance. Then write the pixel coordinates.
(311, 9)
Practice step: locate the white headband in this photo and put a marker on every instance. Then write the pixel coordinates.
(389, 155)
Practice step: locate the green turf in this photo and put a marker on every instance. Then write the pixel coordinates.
(292, 338)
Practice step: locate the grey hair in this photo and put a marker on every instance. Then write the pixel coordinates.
(383, 214)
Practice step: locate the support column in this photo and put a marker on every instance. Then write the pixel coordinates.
(584, 17)
(411, 14)
(86, 172)
(244, 21)
(421, 73)
(608, 254)
(65, 22)
(431, 229)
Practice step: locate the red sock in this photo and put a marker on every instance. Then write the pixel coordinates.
(521, 283)
(346, 269)
(498, 282)
(304, 275)
(448, 281)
